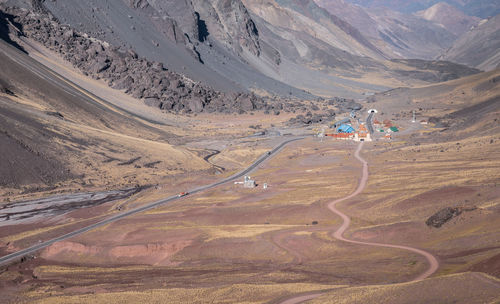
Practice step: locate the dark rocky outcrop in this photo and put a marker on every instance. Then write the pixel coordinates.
(310, 118)
(8, 27)
(139, 3)
(230, 22)
(444, 215)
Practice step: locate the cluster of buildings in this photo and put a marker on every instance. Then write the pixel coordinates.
(385, 127)
(248, 182)
(346, 131)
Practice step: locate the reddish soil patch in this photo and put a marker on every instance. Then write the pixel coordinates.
(428, 199)
(467, 252)
(490, 266)
(388, 233)
(153, 253)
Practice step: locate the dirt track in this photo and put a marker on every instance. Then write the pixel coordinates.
(339, 234)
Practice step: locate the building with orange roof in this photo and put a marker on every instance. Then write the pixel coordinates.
(362, 134)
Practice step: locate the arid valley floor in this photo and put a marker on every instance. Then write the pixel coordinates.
(231, 244)
(339, 221)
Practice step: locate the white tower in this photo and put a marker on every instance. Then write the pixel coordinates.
(321, 134)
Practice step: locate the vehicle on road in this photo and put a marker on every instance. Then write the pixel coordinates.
(21, 253)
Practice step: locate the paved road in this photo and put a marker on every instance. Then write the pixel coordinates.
(339, 235)
(369, 123)
(19, 254)
(77, 91)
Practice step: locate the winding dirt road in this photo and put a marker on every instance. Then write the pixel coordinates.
(339, 234)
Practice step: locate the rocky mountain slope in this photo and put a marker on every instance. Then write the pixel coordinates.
(54, 135)
(220, 35)
(478, 8)
(170, 36)
(139, 77)
(323, 53)
(479, 47)
(462, 108)
(441, 31)
(211, 48)
(397, 34)
(336, 25)
(287, 48)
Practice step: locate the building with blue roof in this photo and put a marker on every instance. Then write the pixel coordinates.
(345, 129)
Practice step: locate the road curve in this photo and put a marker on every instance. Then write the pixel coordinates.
(339, 234)
(19, 254)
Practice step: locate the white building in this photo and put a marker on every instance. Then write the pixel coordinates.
(248, 183)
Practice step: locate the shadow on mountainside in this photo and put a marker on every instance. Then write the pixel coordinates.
(6, 22)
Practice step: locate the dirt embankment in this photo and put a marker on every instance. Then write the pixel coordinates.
(25, 155)
(444, 215)
(158, 253)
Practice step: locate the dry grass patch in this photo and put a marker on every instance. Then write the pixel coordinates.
(459, 288)
(225, 231)
(238, 293)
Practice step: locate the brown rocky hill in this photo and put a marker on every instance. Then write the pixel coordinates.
(462, 108)
(398, 35)
(479, 8)
(324, 53)
(479, 47)
(314, 12)
(448, 16)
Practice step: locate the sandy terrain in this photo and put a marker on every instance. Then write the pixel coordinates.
(231, 226)
(459, 288)
(207, 235)
(232, 244)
